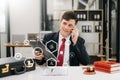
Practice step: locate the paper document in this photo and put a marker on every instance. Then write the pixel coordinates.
(56, 71)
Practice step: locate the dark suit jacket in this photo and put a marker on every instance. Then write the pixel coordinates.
(78, 54)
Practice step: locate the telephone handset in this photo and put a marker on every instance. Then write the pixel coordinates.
(72, 34)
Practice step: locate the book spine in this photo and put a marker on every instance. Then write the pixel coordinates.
(106, 65)
(102, 65)
(106, 69)
(102, 69)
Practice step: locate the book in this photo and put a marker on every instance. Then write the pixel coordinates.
(107, 64)
(107, 70)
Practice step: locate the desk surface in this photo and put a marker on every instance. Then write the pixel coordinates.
(74, 73)
(17, 45)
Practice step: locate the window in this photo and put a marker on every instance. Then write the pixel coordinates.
(2, 15)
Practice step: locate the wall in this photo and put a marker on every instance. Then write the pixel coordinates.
(24, 16)
(3, 39)
(3, 34)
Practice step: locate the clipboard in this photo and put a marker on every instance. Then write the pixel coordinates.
(47, 54)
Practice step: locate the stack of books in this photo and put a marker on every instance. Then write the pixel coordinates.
(107, 66)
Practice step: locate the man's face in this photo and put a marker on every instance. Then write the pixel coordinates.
(66, 27)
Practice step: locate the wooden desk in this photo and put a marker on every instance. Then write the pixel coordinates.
(13, 45)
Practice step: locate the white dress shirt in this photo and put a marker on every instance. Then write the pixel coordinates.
(66, 52)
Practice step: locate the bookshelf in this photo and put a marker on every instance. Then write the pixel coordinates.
(90, 25)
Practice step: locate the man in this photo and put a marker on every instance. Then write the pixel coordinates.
(74, 52)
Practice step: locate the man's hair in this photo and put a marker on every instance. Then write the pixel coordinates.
(69, 15)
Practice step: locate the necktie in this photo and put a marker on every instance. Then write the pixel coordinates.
(61, 53)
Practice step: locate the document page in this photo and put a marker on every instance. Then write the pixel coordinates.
(56, 71)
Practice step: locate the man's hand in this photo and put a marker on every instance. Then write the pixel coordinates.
(75, 34)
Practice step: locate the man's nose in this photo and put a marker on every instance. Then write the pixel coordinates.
(66, 26)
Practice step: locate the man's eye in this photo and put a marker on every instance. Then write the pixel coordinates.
(70, 25)
(65, 23)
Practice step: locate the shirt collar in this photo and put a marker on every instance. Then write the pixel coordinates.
(61, 37)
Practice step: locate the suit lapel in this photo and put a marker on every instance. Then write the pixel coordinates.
(71, 45)
(71, 53)
(56, 38)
